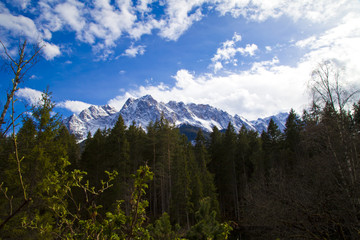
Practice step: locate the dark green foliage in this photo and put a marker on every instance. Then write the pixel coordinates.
(93, 157)
(191, 132)
(271, 145)
(292, 131)
(301, 183)
(182, 189)
(136, 138)
(206, 226)
(43, 147)
(206, 178)
(163, 230)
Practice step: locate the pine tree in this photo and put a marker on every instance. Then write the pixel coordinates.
(72, 148)
(206, 178)
(230, 190)
(136, 137)
(93, 157)
(182, 186)
(162, 139)
(293, 128)
(215, 150)
(151, 155)
(117, 158)
(271, 144)
(245, 152)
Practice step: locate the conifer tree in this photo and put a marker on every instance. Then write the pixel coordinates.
(215, 150)
(271, 144)
(136, 137)
(117, 158)
(93, 157)
(151, 155)
(292, 131)
(293, 127)
(206, 178)
(230, 180)
(182, 184)
(245, 162)
(72, 148)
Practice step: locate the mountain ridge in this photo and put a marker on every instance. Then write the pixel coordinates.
(145, 109)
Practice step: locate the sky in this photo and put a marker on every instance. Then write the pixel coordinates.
(248, 57)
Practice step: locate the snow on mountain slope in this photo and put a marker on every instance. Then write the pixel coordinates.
(261, 124)
(146, 109)
(91, 119)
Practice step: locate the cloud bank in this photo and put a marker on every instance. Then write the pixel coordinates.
(102, 23)
(267, 87)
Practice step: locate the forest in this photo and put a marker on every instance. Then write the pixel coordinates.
(134, 183)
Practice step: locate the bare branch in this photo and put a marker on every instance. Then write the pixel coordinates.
(327, 88)
(19, 68)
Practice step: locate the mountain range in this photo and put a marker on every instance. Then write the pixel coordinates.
(143, 110)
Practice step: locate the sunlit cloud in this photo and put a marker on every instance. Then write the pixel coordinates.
(266, 87)
(51, 51)
(133, 51)
(102, 23)
(73, 106)
(31, 96)
(227, 52)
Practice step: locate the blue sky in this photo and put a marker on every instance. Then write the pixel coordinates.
(252, 58)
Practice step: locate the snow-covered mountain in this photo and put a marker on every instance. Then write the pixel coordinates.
(261, 124)
(146, 109)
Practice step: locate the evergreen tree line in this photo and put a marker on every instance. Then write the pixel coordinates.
(301, 183)
(125, 184)
(181, 176)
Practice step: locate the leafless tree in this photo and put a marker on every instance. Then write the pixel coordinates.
(19, 66)
(326, 86)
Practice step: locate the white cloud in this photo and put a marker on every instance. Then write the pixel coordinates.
(227, 52)
(32, 96)
(268, 48)
(111, 20)
(19, 3)
(143, 6)
(18, 25)
(248, 50)
(340, 42)
(133, 51)
(73, 106)
(263, 90)
(258, 10)
(267, 87)
(70, 13)
(101, 23)
(178, 19)
(51, 51)
(145, 27)
(48, 20)
(217, 66)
